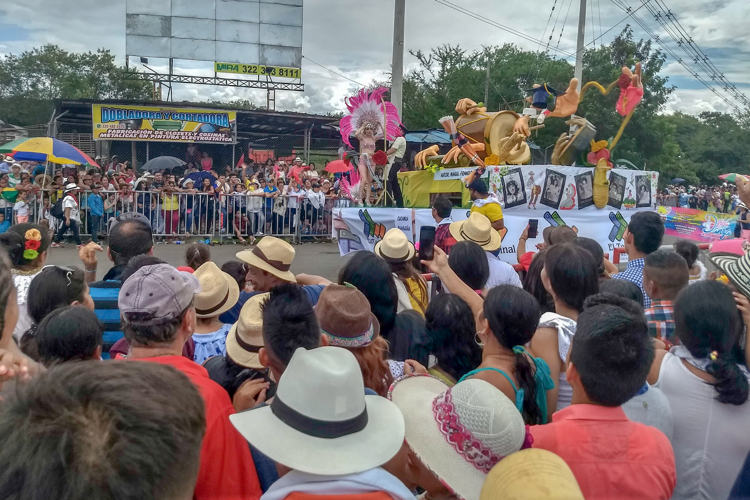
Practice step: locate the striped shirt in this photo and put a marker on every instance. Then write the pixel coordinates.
(105, 294)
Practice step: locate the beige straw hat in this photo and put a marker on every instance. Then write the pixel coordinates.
(530, 474)
(272, 255)
(219, 291)
(477, 228)
(461, 432)
(395, 246)
(245, 338)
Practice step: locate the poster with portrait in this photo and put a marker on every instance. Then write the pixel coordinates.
(585, 187)
(513, 189)
(642, 191)
(553, 188)
(617, 184)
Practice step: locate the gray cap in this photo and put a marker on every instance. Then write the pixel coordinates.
(157, 293)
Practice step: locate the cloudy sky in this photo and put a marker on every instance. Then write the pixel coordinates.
(348, 41)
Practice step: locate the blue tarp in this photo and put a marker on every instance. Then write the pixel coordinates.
(435, 136)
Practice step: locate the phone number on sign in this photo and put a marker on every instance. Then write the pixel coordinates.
(257, 69)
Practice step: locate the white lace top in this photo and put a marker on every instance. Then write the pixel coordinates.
(22, 282)
(566, 328)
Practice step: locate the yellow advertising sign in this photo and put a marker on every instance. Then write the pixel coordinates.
(117, 122)
(257, 69)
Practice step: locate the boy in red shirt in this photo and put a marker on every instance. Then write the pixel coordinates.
(610, 456)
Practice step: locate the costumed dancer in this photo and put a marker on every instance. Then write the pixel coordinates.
(368, 114)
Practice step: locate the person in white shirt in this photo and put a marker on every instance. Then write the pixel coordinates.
(71, 216)
(294, 193)
(316, 201)
(395, 161)
(706, 387)
(21, 208)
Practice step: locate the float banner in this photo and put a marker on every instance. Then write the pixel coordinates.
(361, 228)
(697, 225)
(163, 124)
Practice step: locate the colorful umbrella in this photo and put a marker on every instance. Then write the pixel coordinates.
(729, 177)
(338, 166)
(49, 149)
(8, 147)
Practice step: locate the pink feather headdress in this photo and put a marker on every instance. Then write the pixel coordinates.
(369, 107)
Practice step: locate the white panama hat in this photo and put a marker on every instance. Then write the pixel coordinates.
(320, 421)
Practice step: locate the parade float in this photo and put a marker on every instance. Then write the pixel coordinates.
(579, 188)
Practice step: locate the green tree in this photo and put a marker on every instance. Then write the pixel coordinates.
(32, 80)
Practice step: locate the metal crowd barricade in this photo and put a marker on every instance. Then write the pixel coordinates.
(216, 217)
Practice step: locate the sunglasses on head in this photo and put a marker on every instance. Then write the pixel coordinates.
(67, 270)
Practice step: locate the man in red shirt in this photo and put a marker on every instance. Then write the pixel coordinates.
(158, 316)
(610, 456)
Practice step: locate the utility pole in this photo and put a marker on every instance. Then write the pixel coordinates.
(397, 64)
(579, 45)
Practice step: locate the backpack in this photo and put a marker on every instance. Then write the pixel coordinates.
(57, 209)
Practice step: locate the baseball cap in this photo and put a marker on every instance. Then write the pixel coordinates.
(156, 294)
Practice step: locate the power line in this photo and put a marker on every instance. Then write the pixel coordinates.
(496, 24)
(333, 71)
(687, 45)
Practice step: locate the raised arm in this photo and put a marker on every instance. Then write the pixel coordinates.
(439, 265)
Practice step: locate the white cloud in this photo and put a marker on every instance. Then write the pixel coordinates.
(353, 37)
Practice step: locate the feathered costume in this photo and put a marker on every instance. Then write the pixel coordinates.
(368, 114)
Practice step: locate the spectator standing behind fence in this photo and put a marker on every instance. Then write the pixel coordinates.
(95, 204)
(21, 208)
(71, 216)
(170, 208)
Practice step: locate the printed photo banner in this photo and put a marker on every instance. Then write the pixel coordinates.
(562, 188)
(361, 228)
(163, 124)
(697, 225)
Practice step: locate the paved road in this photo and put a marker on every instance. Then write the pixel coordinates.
(313, 258)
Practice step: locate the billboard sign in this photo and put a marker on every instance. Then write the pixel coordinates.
(163, 124)
(257, 69)
(265, 32)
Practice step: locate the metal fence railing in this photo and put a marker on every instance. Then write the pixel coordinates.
(177, 216)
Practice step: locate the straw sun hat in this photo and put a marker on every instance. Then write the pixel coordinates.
(477, 228)
(458, 432)
(272, 255)
(395, 246)
(320, 421)
(345, 317)
(219, 291)
(532, 473)
(245, 338)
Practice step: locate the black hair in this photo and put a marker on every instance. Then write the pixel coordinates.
(513, 315)
(561, 234)
(442, 206)
(667, 269)
(14, 241)
(532, 283)
(53, 287)
(197, 254)
(96, 430)
(594, 248)
(479, 186)
(372, 276)
(688, 250)
(647, 229)
(571, 271)
(451, 329)
(289, 322)
(237, 270)
(68, 333)
(128, 239)
(469, 262)
(138, 262)
(611, 350)
(7, 287)
(622, 288)
(707, 321)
